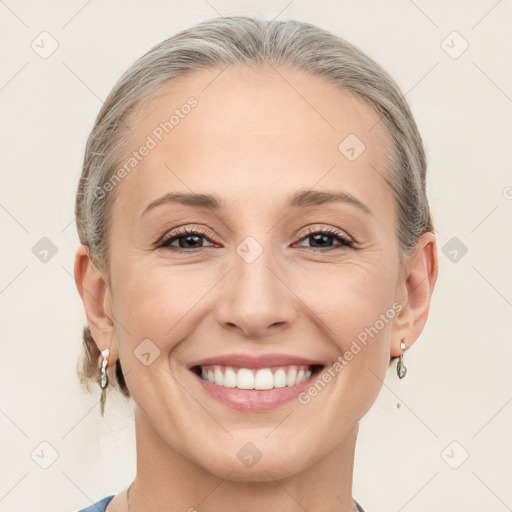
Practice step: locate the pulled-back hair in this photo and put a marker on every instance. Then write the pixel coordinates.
(246, 41)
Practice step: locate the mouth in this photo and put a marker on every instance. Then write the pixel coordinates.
(258, 379)
(255, 382)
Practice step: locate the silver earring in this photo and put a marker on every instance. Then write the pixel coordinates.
(104, 379)
(401, 370)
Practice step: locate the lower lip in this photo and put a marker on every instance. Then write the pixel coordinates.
(254, 400)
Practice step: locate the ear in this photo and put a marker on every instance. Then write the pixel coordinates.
(414, 293)
(97, 298)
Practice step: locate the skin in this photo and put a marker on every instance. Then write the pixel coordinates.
(255, 137)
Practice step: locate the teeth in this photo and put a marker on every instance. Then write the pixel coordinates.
(280, 378)
(291, 377)
(245, 379)
(218, 376)
(264, 378)
(229, 378)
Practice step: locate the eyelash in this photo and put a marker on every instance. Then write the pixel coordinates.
(175, 235)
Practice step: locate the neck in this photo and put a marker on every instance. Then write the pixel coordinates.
(166, 481)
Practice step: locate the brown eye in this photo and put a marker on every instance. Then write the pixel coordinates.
(321, 238)
(188, 240)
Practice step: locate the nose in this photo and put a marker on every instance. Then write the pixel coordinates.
(256, 300)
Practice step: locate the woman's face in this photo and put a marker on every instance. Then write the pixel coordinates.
(257, 279)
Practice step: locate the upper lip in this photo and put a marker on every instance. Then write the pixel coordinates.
(250, 361)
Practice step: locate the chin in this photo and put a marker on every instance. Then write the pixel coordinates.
(249, 464)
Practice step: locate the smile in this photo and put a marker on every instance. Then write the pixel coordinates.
(257, 379)
(254, 382)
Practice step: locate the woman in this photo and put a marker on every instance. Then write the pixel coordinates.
(256, 248)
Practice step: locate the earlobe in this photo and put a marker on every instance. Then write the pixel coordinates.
(95, 295)
(416, 290)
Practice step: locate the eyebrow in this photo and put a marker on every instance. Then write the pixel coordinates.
(299, 199)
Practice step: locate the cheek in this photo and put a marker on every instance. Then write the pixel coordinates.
(158, 303)
(357, 308)
(353, 295)
(153, 314)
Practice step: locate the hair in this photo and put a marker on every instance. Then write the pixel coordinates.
(245, 41)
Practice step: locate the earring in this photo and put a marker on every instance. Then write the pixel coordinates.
(401, 370)
(104, 377)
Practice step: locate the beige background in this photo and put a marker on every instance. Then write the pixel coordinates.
(459, 385)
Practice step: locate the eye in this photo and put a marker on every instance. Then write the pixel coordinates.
(184, 237)
(190, 239)
(322, 236)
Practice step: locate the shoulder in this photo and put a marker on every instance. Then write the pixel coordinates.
(99, 506)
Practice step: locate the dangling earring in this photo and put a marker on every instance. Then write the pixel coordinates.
(401, 370)
(104, 377)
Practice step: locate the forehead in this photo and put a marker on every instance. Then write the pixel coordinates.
(254, 136)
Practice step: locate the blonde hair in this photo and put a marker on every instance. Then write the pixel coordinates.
(241, 41)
